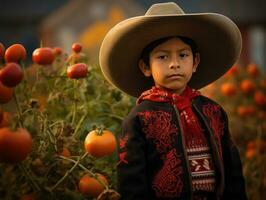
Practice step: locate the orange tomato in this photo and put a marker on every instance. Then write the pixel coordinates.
(100, 144)
(247, 86)
(43, 56)
(77, 71)
(65, 152)
(228, 89)
(11, 75)
(244, 111)
(6, 93)
(15, 53)
(260, 98)
(252, 70)
(14, 145)
(250, 153)
(90, 186)
(76, 47)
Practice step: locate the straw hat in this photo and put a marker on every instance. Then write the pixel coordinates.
(217, 37)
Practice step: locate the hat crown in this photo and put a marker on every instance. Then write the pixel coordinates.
(169, 8)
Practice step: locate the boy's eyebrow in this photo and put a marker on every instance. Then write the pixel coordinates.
(167, 51)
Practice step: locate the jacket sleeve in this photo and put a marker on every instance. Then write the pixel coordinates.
(234, 180)
(131, 167)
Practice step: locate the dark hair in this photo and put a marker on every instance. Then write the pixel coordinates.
(145, 55)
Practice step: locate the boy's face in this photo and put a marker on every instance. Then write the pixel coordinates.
(171, 65)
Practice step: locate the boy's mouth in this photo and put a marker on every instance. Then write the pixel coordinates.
(175, 76)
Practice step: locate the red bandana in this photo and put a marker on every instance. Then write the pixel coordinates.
(160, 95)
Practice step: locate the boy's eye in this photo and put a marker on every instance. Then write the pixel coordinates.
(162, 57)
(183, 55)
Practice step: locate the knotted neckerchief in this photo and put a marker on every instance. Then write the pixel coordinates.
(191, 126)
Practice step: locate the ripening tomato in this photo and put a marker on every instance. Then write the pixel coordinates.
(100, 143)
(90, 186)
(76, 47)
(247, 86)
(15, 53)
(77, 71)
(228, 89)
(2, 51)
(14, 145)
(11, 75)
(57, 51)
(244, 111)
(43, 56)
(252, 70)
(6, 93)
(65, 152)
(260, 98)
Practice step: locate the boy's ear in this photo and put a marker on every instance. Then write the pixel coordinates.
(144, 68)
(196, 62)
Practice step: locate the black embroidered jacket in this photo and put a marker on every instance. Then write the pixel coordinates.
(153, 161)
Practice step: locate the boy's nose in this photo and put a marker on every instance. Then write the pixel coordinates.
(174, 63)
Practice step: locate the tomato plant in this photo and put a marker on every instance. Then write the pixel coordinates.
(6, 93)
(77, 71)
(100, 143)
(15, 53)
(43, 56)
(14, 145)
(11, 75)
(76, 47)
(90, 186)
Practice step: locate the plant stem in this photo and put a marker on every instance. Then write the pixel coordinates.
(18, 109)
(79, 124)
(87, 170)
(75, 102)
(69, 171)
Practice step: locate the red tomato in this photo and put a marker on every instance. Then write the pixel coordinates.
(28, 197)
(99, 145)
(6, 93)
(77, 71)
(11, 75)
(14, 145)
(57, 51)
(90, 186)
(43, 56)
(15, 53)
(76, 47)
(2, 50)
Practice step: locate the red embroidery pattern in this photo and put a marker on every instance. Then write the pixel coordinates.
(157, 127)
(213, 112)
(167, 183)
(122, 145)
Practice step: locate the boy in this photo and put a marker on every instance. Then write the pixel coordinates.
(175, 142)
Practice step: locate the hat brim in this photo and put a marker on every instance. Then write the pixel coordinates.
(217, 37)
